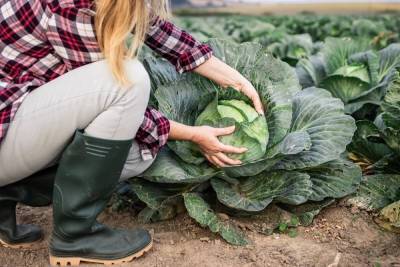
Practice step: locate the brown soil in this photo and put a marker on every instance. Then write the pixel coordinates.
(339, 237)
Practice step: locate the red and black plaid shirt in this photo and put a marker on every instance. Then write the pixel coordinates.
(43, 39)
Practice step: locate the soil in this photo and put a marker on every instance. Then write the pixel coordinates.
(339, 236)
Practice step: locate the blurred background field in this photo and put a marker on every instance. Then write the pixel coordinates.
(291, 29)
(285, 6)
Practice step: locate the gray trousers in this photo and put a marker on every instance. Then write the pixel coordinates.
(85, 98)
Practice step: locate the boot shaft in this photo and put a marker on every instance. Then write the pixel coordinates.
(88, 172)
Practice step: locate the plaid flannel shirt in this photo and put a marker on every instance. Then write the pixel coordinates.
(43, 39)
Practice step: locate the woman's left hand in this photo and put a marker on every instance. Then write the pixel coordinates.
(226, 76)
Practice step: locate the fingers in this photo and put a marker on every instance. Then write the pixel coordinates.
(258, 105)
(211, 160)
(226, 160)
(232, 149)
(221, 160)
(215, 161)
(224, 131)
(251, 92)
(218, 162)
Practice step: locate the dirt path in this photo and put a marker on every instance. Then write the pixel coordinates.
(349, 237)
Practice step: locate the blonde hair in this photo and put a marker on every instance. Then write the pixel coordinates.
(116, 20)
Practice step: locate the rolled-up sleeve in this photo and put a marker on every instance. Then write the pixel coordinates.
(153, 133)
(177, 46)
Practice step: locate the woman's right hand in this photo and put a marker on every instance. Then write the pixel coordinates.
(214, 151)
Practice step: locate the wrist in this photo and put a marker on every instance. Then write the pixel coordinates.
(193, 134)
(234, 80)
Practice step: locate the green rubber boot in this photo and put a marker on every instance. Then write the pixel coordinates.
(35, 191)
(88, 172)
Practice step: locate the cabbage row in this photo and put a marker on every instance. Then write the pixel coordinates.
(291, 38)
(368, 83)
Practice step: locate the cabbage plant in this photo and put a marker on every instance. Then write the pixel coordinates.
(376, 147)
(294, 152)
(376, 144)
(352, 71)
(291, 48)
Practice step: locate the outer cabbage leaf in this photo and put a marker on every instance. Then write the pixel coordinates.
(377, 191)
(199, 210)
(368, 64)
(311, 71)
(391, 117)
(337, 51)
(391, 105)
(183, 102)
(293, 144)
(163, 201)
(160, 72)
(316, 112)
(389, 60)
(392, 139)
(345, 88)
(363, 146)
(334, 179)
(257, 192)
(168, 168)
(155, 195)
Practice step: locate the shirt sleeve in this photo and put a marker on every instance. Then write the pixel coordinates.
(153, 133)
(177, 46)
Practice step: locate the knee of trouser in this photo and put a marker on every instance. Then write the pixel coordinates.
(139, 81)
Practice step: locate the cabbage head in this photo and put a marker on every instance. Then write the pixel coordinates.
(251, 129)
(294, 151)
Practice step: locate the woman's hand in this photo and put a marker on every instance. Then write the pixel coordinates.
(206, 138)
(226, 76)
(214, 151)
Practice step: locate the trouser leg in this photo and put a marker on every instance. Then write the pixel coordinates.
(86, 98)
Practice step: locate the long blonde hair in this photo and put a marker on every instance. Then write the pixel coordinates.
(115, 20)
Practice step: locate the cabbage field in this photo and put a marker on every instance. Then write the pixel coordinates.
(330, 86)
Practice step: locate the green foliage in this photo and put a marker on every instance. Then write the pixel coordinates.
(296, 155)
(378, 191)
(202, 213)
(294, 150)
(377, 143)
(288, 227)
(352, 72)
(306, 212)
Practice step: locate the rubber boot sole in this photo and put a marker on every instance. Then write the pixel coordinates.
(29, 246)
(76, 261)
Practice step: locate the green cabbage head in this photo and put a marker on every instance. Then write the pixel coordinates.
(251, 129)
